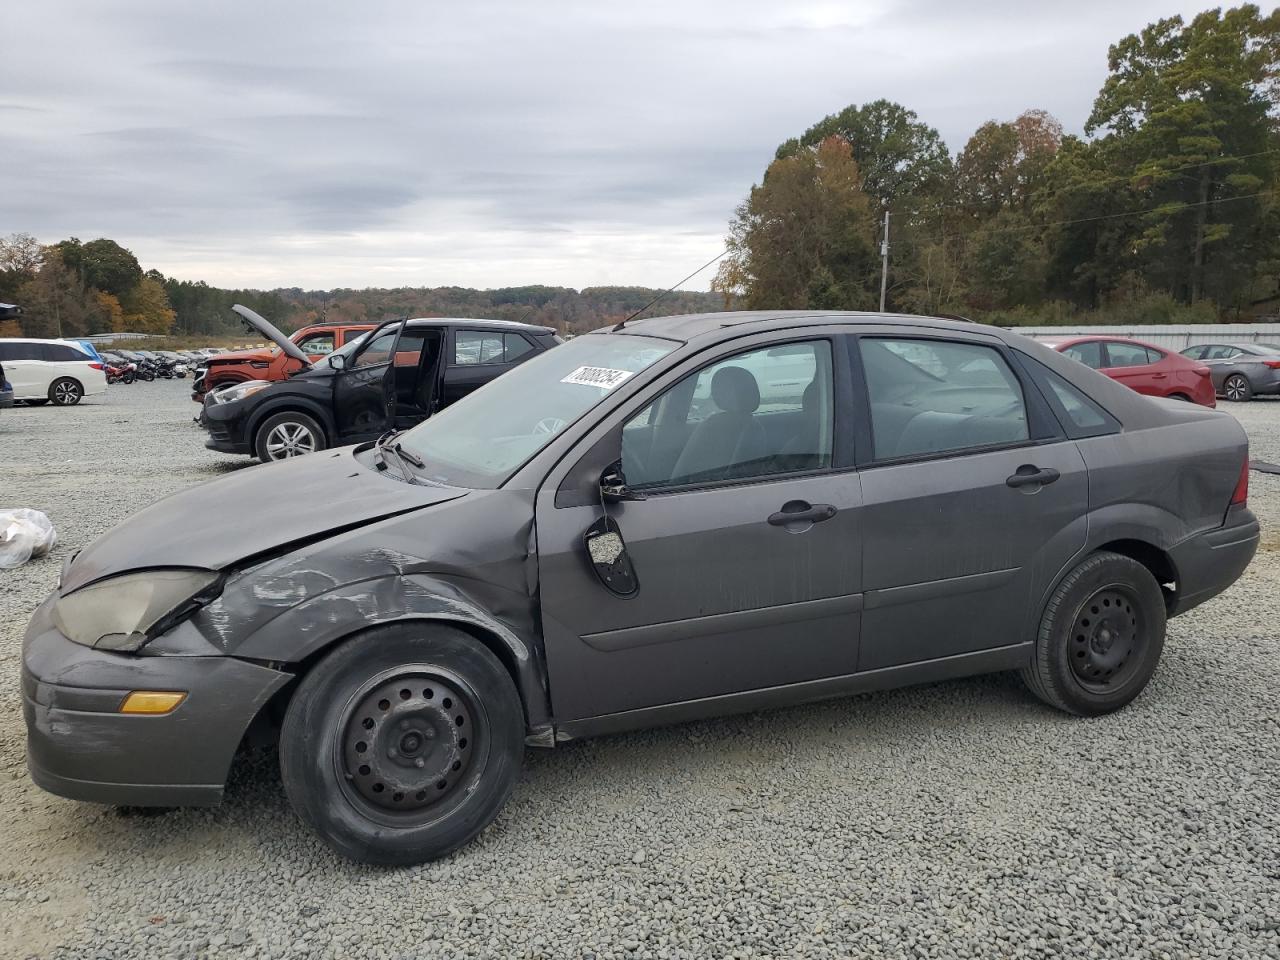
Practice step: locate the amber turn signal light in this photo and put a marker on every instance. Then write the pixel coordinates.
(151, 701)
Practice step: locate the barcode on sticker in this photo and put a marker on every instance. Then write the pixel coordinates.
(597, 377)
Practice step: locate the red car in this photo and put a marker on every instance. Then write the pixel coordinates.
(1141, 366)
(270, 363)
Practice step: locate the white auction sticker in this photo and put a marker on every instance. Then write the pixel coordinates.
(597, 377)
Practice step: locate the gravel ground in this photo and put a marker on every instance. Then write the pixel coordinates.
(956, 820)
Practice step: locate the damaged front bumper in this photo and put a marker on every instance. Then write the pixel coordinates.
(80, 745)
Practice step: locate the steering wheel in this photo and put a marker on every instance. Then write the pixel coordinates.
(548, 425)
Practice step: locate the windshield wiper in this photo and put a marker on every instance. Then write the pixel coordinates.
(403, 457)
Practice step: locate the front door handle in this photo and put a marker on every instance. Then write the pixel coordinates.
(1027, 474)
(800, 511)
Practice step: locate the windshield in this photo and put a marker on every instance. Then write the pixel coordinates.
(483, 438)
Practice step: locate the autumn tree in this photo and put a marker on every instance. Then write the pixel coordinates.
(805, 236)
(898, 155)
(145, 308)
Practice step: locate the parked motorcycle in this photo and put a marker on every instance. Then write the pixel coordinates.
(146, 370)
(121, 373)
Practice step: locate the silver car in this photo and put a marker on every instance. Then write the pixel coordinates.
(1240, 371)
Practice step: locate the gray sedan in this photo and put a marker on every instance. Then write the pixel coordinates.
(1240, 371)
(672, 518)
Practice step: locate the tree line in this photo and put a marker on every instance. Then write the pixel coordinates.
(71, 289)
(1165, 211)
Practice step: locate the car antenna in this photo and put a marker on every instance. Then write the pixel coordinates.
(623, 322)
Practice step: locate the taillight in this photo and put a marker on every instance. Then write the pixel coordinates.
(1273, 364)
(95, 366)
(1202, 371)
(1241, 495)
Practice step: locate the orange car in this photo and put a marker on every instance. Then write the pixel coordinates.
(271, 363)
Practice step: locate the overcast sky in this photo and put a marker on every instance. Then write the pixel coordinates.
(479, 143)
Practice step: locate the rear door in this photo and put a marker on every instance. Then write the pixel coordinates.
(24, 369)
(1133, 365)
(973, 498)
(477, 356)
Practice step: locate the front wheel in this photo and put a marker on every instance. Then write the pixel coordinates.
(402, 744)
(65, 392)
(288, 435)
(1237, 388)
(1100, 638)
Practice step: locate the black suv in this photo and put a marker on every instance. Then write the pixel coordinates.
(357, 393)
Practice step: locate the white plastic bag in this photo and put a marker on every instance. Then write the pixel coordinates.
(24, 534)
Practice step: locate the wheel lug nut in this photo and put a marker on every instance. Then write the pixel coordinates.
(391, 752)
(430, 733)
(419, 763)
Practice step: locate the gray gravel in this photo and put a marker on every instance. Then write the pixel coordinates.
(957, 820)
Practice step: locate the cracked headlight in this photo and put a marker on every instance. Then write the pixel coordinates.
(240, 391)
(123, 613)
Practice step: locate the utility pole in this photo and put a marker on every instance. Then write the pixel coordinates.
(884, 260)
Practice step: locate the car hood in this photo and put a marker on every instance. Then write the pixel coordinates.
(254, 511)
(269, 330)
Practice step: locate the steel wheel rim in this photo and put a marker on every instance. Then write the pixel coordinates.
(404, 757)
(1235, 389)
(65, 392)
(1108, 639)
(289, 440)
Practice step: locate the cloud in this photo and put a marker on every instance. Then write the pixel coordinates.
(492, 143)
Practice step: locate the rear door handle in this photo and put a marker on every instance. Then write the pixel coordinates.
(1027, 474)
(800, 511)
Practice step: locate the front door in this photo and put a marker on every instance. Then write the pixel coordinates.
(973, 501)
(363, 391)
(745, 546)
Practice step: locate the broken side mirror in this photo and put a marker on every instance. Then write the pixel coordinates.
(607, 552)
(613, 485)
(337, 360)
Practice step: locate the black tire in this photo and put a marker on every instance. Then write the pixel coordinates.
(1100, 638)
(66, 392)
(288, 434)
(1237, 388)
(128, 378)
(439, 695)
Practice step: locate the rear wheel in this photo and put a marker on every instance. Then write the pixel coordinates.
(1100, 638)
(1237, 388)
(66, 392)
(402, 744)
(288, 434)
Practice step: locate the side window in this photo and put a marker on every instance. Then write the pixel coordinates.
(515, 346)
(761, 413)
(60, 353)
(1220, 353)
(1197, 353)
(376, 352)
(1079, 409)
(936, 396)
(1120, 354)
(320, 344)
(477, 346)
(1089, 353)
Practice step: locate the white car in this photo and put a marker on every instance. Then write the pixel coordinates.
(57, 371)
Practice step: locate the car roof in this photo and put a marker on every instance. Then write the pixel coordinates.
(65, 342)
(1089, 338)
(478, 323)
(694, 326)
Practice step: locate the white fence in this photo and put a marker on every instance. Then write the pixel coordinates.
(1170, 336)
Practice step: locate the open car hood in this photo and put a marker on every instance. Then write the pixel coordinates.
(269, 330)
(253, 512)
